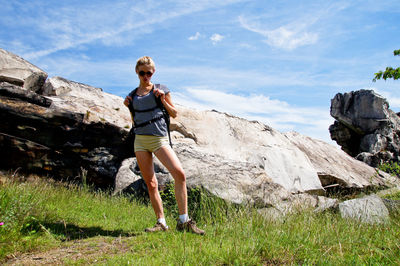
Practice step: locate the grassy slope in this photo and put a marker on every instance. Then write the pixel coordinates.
(41, 217)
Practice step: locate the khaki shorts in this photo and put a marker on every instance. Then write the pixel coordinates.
(150, 143)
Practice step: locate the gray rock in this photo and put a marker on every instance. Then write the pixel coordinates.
(369, 158)
(126, 175)
(363, 111)
(325, 204)
(365, 127)
(93, 103)
(254, 143)
(15, 92)
(370, 209)
(298, 203)
(235, 181)
(39, 138)
(17, 71)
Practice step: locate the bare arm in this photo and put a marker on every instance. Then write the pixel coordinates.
(126, 103)
(127, 100)
(167, 102)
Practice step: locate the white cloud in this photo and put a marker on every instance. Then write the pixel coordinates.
(63, 28)
(231, 78)
(394, 102)
(278, 114)
(289, 39)
(246, 46)
(286, 37)
(195, 37)
(215, 38)
(257, 78)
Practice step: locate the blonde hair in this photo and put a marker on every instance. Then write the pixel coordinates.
(145, 60)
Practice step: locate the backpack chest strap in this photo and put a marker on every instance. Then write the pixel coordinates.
(145, 110)
(151, 121)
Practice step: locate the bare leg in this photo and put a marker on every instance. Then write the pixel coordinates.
(169, 159)
(145, 161)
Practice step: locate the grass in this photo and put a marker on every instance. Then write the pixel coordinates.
(394, 196)
(78, 226)
(392, 168)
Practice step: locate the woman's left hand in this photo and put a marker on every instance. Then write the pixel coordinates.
(167, 102)
(159, 93)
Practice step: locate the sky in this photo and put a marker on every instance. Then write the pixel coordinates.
(278, 62)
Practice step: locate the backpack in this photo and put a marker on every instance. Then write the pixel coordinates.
(160, 105)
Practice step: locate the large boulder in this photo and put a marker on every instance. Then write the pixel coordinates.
(36, 137)
(365, 127)
(17, 71)
(363, 111)
(239, 140)
(62, 128)
(370, 209)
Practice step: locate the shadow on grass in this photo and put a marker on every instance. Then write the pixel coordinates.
(67, 231)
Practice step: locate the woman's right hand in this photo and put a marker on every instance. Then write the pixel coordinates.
(127, 100)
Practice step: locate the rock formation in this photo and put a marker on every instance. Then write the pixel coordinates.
(17, 71)
(59, 127)
(365, 127)
(71, 130)
(40, 138)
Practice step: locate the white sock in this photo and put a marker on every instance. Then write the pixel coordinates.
(162, 221)
(184, 218)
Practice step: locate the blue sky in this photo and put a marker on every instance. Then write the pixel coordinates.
(278, 62)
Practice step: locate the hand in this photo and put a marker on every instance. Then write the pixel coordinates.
(160, 93)
(127, 100)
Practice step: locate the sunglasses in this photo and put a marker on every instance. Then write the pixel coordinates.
(148, 73)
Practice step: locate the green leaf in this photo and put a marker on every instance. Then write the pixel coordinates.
(389, 73)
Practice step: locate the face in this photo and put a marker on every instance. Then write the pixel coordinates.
(144, 73)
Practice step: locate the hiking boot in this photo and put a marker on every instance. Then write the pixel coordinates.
(189, 226)
(156, 228)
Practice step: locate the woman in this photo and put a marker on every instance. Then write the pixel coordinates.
(152, 138)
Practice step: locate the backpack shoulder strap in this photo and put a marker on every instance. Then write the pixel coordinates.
(165, 113)
(158, 100)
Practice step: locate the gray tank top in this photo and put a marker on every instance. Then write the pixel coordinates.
(145, 102)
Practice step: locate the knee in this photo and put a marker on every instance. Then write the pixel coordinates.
(152, 184)
(179, 175)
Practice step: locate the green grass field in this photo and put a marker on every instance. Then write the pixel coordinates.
(49, 222)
